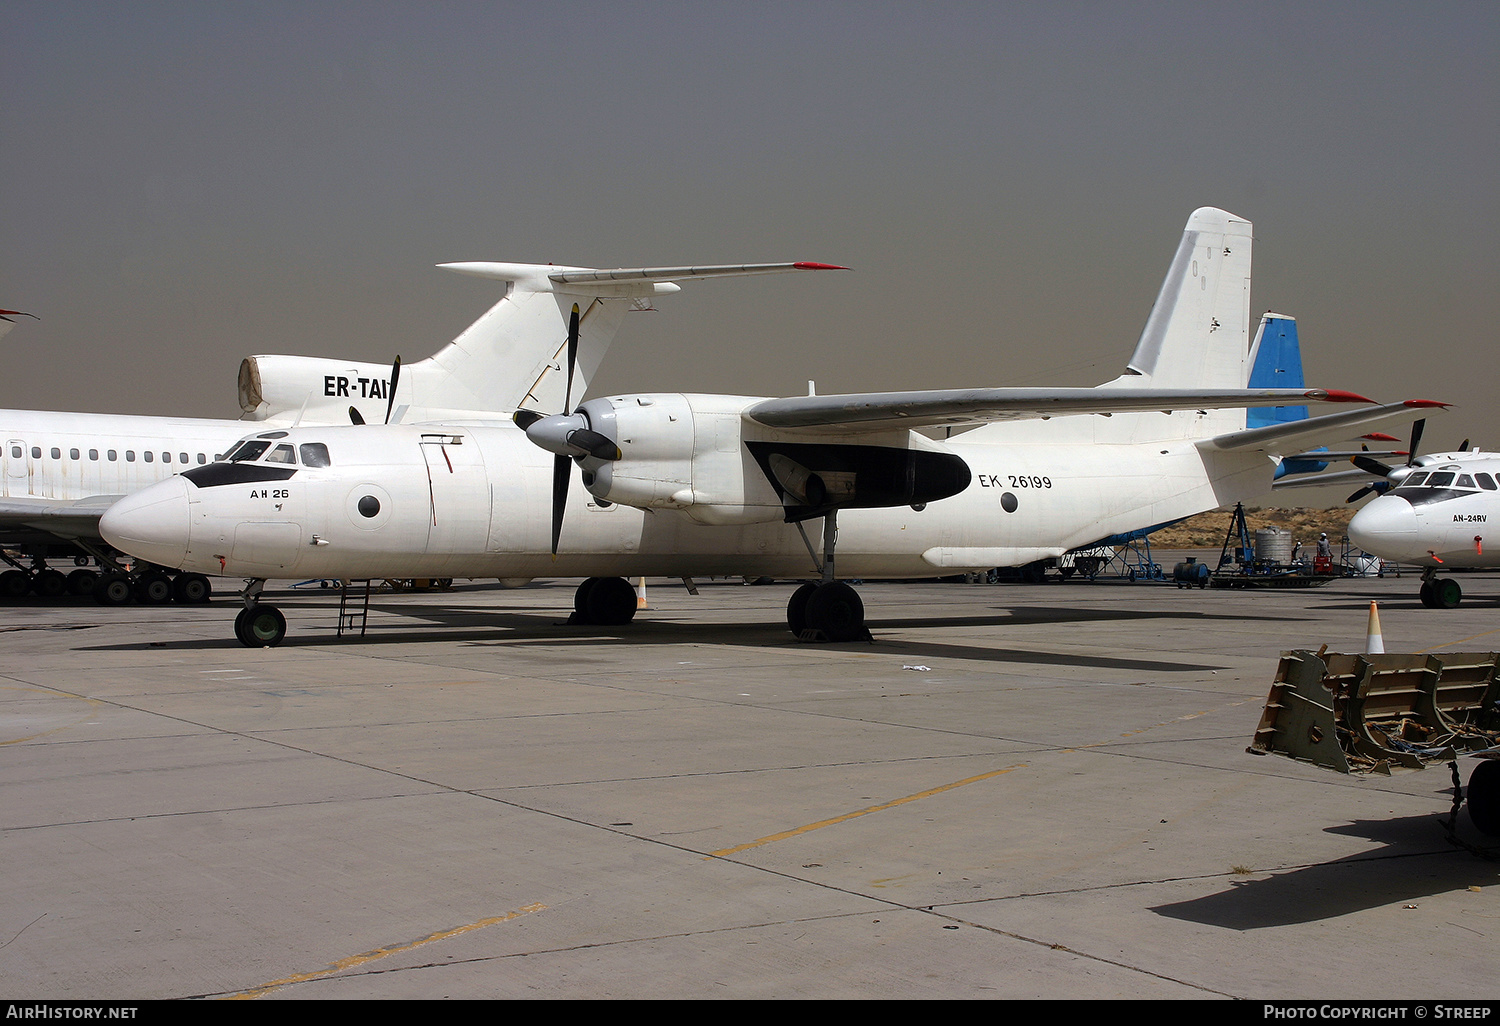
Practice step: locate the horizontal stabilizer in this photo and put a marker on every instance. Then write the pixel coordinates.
(1297, 435)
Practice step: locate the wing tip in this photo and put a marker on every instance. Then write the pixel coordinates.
(1426, 404)
(811, 265)
(1336, 395)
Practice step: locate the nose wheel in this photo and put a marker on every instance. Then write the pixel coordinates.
(260, 626)
(1440, 592)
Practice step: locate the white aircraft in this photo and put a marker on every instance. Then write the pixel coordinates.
(59, 472)
(680, 485)
(1434, 515)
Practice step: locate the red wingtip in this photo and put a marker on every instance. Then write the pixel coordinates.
(808, 265)
(1426, 404)
(1376, 436)
(1337, 395)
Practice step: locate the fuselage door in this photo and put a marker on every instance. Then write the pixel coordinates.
(458, 495)
(17, 468)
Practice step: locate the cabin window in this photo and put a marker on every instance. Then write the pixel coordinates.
(72, 454)
(182, 457)
(15, 452)
(202, 458)
(129, 455)
(148, 455)
(94, 455)
(315, 454)
(1485, 481)
(36, 452)
(56, 453)
(111, 455)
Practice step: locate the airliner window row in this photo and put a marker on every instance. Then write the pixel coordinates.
(111, 455)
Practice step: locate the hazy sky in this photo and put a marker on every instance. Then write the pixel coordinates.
(184, 184)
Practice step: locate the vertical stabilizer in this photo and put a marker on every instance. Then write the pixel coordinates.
(1198, 334)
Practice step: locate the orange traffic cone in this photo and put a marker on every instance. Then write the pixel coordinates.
(1374, 643)
(640, 596)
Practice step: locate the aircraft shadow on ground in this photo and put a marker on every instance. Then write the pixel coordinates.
(1419, 864)
(501, 629)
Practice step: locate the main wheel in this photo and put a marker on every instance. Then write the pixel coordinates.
(14, 584)
(113, 590)
(81, 582)
(260, 627)
(796, 608)
(192, 589)
(50, 583)
(153, 588)
(610, 602)
(837, 610)
(581, 600)
(1483, 797)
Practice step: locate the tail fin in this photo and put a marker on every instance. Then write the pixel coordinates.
(515, 355)
(1275, 362)
(1197, 337)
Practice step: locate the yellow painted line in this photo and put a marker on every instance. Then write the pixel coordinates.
(863, 812)
(92, 703)
(1460, 641)
(353, 961)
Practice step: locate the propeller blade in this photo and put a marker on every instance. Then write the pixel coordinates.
(1463, 446)
(1371, 466)
(601, 447)
(395, 377)
(1360, 494)
(572, 357)
(560, 474)
(354, 417)
(1416, 438)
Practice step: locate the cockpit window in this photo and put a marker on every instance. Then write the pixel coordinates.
(1414, 480)
(1464, 481)
(1442, 479)
(315, 454)
(247, 451)
(283, 453)
(1485, 481)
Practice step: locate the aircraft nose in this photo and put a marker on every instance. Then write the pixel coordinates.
(1386, 522)
(151, 524)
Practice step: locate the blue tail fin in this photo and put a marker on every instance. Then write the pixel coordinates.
(1277, 363)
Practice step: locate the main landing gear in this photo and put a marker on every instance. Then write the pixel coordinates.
(828, 610)
(1439, 592)
(259, 626)
(151, 586)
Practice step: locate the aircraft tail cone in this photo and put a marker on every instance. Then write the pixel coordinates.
(1374, 643)
(640, 595)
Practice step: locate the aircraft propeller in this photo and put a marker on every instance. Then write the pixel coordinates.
(1384, 471)
(567, 435)
(357, 419)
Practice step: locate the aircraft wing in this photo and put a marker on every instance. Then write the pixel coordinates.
(1327, 479)
(1296, 435)
(873, 411)
(24, 519)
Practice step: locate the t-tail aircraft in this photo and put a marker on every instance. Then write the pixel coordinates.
(681, 485)
(59, 472)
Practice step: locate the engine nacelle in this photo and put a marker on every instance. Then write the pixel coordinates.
(700, 455)
(271, 386)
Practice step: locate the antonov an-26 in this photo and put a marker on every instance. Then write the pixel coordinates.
(690, 484)
(59, 471)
